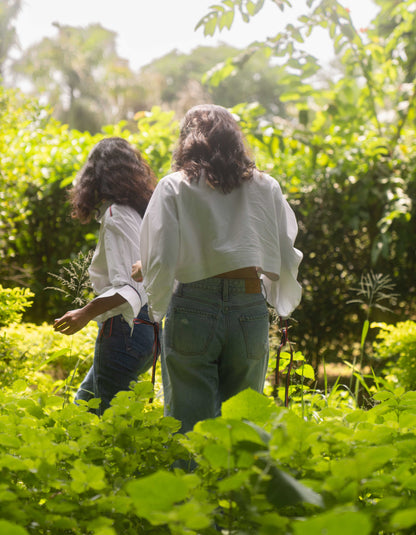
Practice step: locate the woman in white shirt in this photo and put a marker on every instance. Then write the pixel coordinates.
(217, 240)
(115, 186)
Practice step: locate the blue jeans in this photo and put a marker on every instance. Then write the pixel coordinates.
(215, 343)
(120, 356)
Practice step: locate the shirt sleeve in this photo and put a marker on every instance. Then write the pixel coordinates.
(122, 249)
(129, 309)
(160, 249)
(286, 292)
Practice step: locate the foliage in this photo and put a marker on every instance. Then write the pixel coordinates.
(74, 280)
(80, 74)
(342, 146)
(373, 292)
(39, 159)
(63, 470)
(183, 77)
(13, 302)
(45, 358)
(9, 10)
(344, 155)
(397, 347)
(259, 468)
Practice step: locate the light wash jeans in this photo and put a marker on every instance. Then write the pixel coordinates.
(120, 356)
(215, 343)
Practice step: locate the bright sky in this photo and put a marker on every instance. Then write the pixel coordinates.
(148, 29)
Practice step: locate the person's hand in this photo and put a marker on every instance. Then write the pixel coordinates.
(71, 322)
(136, 271)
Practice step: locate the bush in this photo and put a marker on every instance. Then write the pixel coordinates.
(398, 347)
(13, 302)
(47, 360)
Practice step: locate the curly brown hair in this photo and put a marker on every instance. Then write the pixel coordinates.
(210, 140)
(115, 171)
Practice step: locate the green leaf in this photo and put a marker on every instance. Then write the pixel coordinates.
(7, 528)
(364, 332)
(210, 26)
(306, 371)
(335, 523)
(87, 476)
(403, 519)
(159, 492)
(226, 20)
(249, 405)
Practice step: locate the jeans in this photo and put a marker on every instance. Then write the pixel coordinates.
(120, 356)
(215, 343)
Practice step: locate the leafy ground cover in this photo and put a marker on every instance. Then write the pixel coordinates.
(320, 466)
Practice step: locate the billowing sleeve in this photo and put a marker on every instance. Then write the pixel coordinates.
(159, 244)
(286, 292)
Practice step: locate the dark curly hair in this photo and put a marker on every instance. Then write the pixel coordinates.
(210, 140)
(114, 171)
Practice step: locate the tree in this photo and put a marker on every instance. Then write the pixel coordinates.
(82, 77)
(9, 10)
(183, 79)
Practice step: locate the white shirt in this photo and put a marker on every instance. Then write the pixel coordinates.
(117, 249)
(191, 231)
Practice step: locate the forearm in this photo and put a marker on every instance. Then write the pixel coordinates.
(99, 305)
(74, 320)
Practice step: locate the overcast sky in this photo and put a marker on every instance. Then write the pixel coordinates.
(148, 29)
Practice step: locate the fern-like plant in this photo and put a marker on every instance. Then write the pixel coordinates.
(76, 286)
(374, 291)
(74, 279)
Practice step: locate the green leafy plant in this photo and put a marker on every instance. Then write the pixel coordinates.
(397, 347)
(74, 279)
(373, 291)
(42, 356)
(13, 302)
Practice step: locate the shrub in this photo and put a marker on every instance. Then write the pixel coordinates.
(47, 360)
(13, 302)
(398, 348)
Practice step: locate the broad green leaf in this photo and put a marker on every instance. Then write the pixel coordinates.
(226, 20)
(87, 476)
(159, 492)
(249, 405)
(403, 519)
(8, 528)
(306, 371)
(210, 26)
(335, 523)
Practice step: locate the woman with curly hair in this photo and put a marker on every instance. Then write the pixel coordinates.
(217, 241)
(115, 186)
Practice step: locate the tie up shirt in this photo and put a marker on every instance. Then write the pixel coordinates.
(191, 231)
(117, 249)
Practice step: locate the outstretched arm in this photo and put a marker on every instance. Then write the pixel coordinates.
(74, 320)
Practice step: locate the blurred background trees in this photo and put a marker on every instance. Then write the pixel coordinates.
(9, 10)
(341, 141)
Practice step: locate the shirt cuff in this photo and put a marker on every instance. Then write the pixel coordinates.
(129, 310)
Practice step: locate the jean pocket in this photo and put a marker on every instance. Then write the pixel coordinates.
(255, 329)
(189, 331)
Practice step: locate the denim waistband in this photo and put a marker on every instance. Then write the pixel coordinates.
(215, 286)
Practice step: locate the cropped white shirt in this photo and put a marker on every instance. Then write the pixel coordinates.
(191, 231)
(117, 249)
